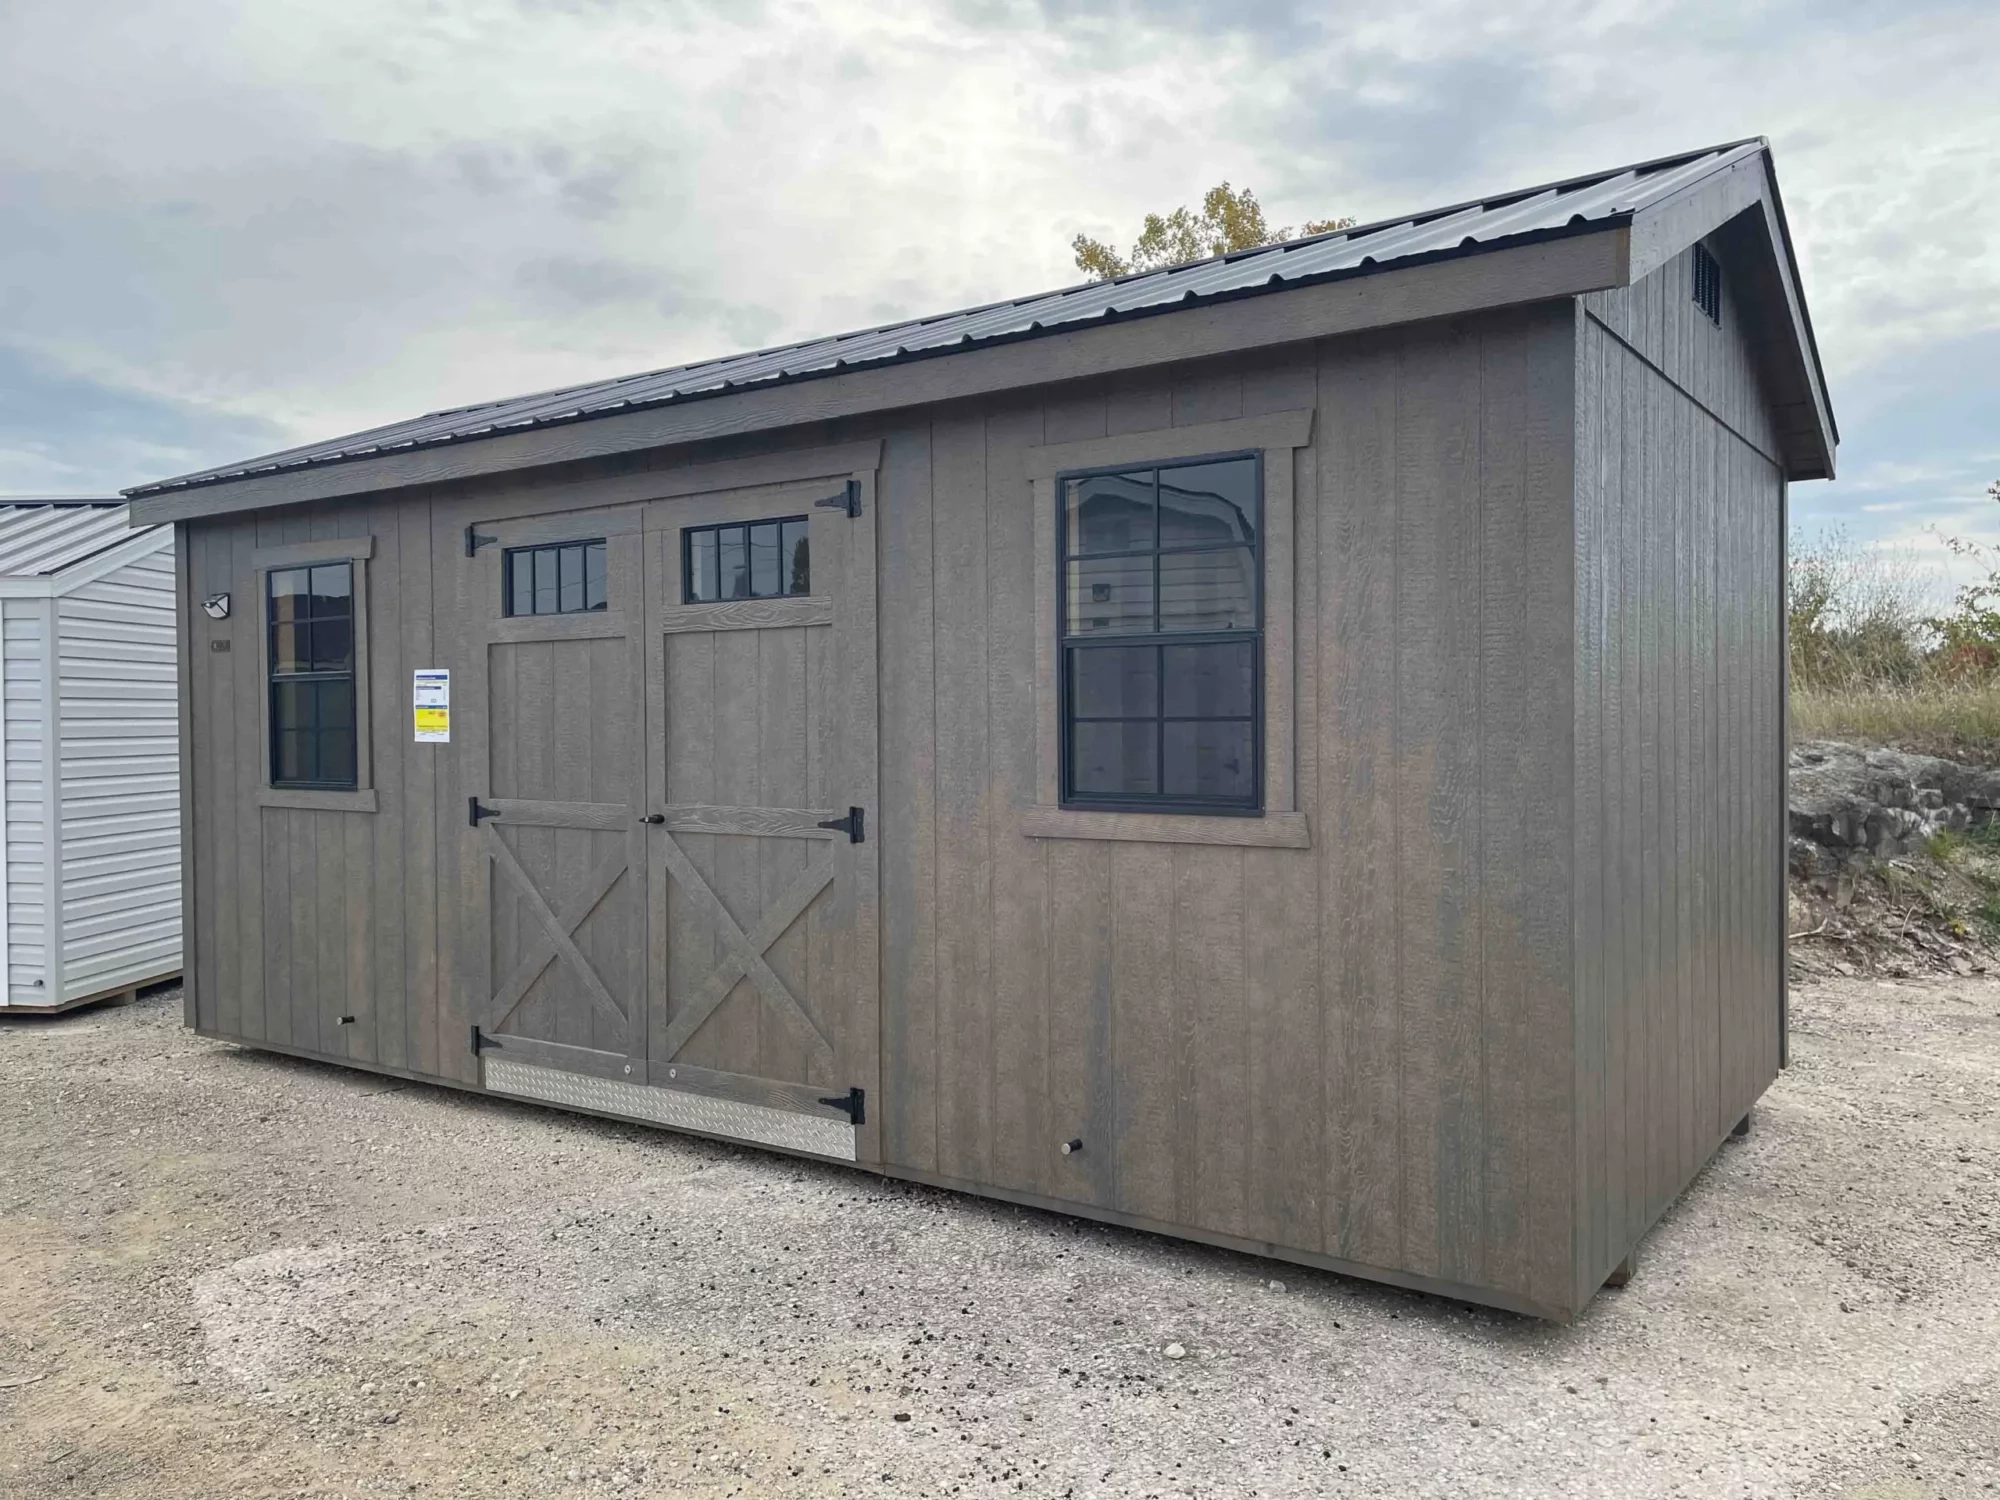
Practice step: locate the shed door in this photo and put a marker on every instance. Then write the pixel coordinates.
(553, 870)
(761, 774)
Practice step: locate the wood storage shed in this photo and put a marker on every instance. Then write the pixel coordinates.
(1286, 751)
(90, 897)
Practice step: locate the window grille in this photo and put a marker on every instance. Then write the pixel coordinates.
(560, 578)
(1161, 636)
(746, 560)
(309, 614)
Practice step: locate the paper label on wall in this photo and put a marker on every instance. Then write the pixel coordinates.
(432, 696)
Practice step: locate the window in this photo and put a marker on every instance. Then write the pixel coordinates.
(1161, 636)
(1708, 285)
(747, 560)
(565, 578)
(309, 613)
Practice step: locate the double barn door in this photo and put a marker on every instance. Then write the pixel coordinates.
(667, 874)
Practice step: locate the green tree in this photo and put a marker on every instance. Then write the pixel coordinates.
(1969, 637)
(1229, 220)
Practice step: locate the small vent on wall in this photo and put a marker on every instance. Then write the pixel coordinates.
(1708, 285)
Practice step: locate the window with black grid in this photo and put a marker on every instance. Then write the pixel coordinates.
(559, 578)
(309, 613)
(1162, 636)
(746, 560)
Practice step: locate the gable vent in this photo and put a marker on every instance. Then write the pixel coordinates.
(1708, 285)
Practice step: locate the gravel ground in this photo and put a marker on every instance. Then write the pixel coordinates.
(225, 1273)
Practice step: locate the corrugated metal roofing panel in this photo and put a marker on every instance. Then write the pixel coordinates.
(1598, 201)
(40, 537)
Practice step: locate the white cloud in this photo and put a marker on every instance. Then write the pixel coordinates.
(330, 213)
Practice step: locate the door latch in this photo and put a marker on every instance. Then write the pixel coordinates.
(654, 818)
(853, 1101)
(854, 825)
(847, 501)
(474, 812)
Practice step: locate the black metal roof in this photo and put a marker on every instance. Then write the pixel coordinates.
(1599, 201)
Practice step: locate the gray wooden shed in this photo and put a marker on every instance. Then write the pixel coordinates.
(1286, 751)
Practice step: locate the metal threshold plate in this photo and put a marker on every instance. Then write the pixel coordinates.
(676, 1108)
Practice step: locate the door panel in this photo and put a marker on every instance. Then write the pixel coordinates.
(650, 918)
(550, 712)
(759, 970)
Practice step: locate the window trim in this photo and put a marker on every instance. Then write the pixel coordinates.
(1281, 823)
(1197, 807)
(263, 562)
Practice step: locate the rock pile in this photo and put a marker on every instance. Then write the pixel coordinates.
(1849, 800)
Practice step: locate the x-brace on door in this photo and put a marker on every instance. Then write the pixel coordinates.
(761, 783)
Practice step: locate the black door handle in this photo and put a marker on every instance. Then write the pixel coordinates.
(654, 818)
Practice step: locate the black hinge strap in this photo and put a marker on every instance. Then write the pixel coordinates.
(474, 812)
(854, 1101)
(854, 825)
(848, 500)
(474, 541)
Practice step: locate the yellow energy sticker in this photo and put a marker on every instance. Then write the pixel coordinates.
(431, 693)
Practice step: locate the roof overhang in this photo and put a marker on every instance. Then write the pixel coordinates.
(1562, 266)
(1738, 208)
(1735, 205)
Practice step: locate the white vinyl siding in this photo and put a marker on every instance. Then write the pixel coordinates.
(23, 720)
(120, 787)
(90, 888)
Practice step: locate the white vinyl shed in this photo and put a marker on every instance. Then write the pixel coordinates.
(90, 894)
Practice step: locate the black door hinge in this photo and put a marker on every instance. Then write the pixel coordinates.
(848, 500)
(853, 1101)
(474, 812)
(478, 1041)
(854, 825)
(474, 541)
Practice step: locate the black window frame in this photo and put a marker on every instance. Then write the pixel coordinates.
(1066, 643)
(275, 678)
(581, 544)
(716, 528)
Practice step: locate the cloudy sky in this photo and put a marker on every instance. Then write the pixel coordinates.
(229, 225)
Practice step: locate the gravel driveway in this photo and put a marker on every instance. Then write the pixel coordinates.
(224, 1273)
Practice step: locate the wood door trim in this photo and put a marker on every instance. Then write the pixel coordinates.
(609, 816)
(800, 1098)
(753, 822)
(564, 1055)
(521, 630)
(745, 614)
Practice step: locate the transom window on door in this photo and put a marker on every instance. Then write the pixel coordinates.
(310, 616)
(1162, 636)
(746, 560)
(560, 578)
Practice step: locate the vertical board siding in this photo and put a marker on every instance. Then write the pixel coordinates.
(1678, 795)
(306, 917)
(1363, 1049)
(23, 641)
(119, 791)
(1481, 1031)
(1658, 319)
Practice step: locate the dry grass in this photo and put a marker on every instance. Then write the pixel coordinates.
(1960, 723)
